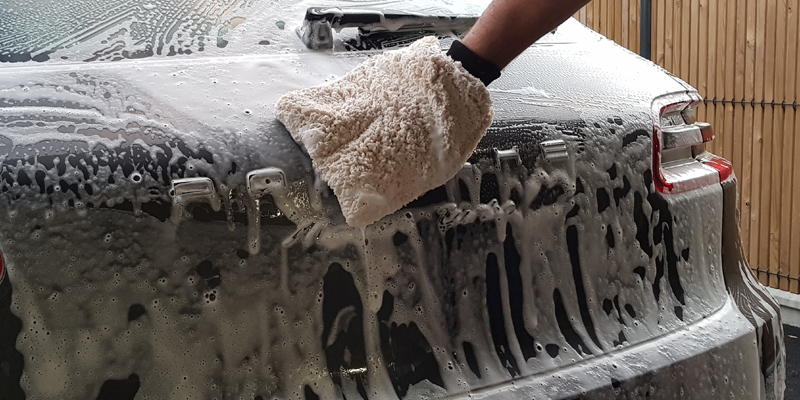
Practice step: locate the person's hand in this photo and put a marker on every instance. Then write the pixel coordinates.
(396, 126)
(508, 27)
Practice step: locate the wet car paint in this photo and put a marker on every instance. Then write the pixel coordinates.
(515, 268)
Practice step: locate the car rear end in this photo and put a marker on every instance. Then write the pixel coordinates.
(165, 238)
(650, 202)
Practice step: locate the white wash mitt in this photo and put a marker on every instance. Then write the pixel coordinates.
(396, 126)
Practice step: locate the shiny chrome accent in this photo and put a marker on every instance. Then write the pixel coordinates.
(508, 156)
(689, 174)
(468, 175)
(320, 22)
(554, 150)
(266, 180)
(681, 136)
(192, 190)
(187, 189)
(706, 131)
(674, 118)
(689, 115)
(679, 163)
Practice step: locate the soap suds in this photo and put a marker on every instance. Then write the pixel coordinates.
(214, 319)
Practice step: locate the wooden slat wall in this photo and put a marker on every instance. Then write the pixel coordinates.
(617, 20)
(742, 56)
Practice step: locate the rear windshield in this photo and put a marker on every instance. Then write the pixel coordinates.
(114, 30)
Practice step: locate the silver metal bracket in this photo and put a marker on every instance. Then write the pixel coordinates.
(508, 156)
(681, 136)
(198, 189)
(320, 23)
(554, 150)
(266, 180)
(192, 190)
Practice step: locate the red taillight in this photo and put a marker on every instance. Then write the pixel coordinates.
(658, 174)
(723, 166)
(660, 180)
(680, 162)
(706, 131)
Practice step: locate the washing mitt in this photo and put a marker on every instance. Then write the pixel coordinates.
(396, 126)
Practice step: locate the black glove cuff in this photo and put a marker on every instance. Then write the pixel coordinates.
(474, 64)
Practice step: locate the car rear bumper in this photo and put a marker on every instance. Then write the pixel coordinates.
(735, 353)
(715, 358)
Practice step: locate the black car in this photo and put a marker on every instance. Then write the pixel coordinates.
(164, 238)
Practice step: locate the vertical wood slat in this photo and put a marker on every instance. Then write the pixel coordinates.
(756, 224)
(794, 219)
(589, 14)
(677, 47)
(712, 50)
(727, 68)
(793, 127)
(778, 247)
(635, 29)
(581, 15)
(779, 141)
(624, 23)
(742, 56)
(785, 200)
(693, 41)
(701, 32)
(719, 77)
(738, 156)
(619, 22)
(752, 242)
(745, 176)
(658, 39)
(669, 37)
(767, 149)
(686, 24)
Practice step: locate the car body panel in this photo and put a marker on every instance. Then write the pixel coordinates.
(726, 369)
(518, 267)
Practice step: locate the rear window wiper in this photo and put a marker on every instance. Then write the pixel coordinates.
(319, 24)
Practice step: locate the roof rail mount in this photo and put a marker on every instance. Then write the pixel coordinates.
(320, 22)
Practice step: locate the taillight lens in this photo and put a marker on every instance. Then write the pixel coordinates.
(680, 161)
(723, 166)
(662, 185)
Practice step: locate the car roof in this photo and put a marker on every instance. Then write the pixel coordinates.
(110, 30)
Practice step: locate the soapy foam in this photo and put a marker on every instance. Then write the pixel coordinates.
(259, 300)
(219, 322)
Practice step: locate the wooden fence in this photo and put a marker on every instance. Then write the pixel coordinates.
(742, 56)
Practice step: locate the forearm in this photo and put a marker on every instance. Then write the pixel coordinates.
(508, 27)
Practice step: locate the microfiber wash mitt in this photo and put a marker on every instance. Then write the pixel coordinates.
(396, 126)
